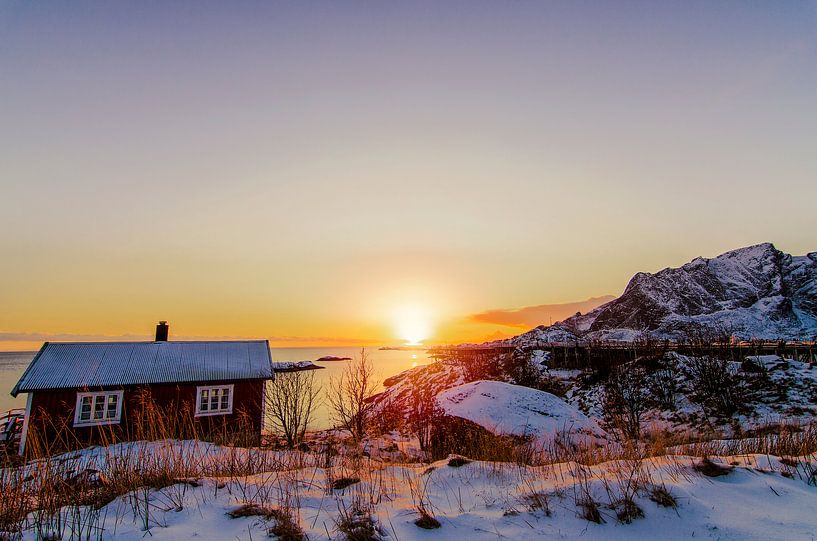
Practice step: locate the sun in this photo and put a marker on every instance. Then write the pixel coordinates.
(412, 323)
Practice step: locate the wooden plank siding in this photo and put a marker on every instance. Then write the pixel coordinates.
(148, 412)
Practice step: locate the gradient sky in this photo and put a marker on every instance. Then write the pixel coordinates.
(314, 171)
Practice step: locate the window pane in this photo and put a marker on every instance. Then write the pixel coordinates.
(214, 399)
(112, 401)
(99, 406)
(204, 400)
(225, 399)
(85, 409)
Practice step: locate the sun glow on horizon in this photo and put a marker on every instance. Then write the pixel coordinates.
(412, 323)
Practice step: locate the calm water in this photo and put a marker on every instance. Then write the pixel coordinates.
(12, 366)
(386, 364)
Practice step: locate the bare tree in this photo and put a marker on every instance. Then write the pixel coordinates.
(291, 400)
(350, 394)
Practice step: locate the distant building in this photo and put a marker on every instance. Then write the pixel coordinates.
(82, 393)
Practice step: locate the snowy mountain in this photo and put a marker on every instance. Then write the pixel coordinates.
(752, 292)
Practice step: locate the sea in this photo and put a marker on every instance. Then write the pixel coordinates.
(386, 362)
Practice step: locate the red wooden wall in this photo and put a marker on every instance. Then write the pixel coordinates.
(52, 415)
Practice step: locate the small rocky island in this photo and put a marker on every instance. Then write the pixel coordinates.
(332, 358)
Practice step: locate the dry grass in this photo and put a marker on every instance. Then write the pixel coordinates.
(538, 501)
(589, 511)
(357, 524)
(56, 495)
(286, 527)
(251, 510)
(663, 497)
(427, 522)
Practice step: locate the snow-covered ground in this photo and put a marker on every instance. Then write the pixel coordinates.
(744, 496)
(759, 498)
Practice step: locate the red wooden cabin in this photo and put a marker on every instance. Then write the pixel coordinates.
(83, 393)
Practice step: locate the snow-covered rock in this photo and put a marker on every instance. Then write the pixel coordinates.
(294, 366)
(512, 410)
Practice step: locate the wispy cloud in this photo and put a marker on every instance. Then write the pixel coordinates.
(542, 314)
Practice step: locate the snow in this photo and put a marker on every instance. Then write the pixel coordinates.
(513, 410)
(555, 334)
(761, 499)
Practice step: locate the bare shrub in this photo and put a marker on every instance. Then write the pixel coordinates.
(583, 496)
(344, 482)
(714, 385)
(250, 510)
(519, 368)
(350, 396)
(14, 506)
(458, 461)
(631, 478)
(390, 415)
(477, 364)
(356, 523)
(628, 511)
(427, 522)
(626, 399)
(664, 386)
(590, 510)
(418, 488)
(424, 415)
(285, 527)
(290, 401)
(455, 436)
(538, 501)
(711, 469)
(663, 497)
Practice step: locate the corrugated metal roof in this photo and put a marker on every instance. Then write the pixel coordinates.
(105, 364)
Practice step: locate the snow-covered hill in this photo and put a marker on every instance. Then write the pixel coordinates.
(753, 292)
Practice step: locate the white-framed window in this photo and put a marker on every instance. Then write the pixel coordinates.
(214, 400)
(99, 408)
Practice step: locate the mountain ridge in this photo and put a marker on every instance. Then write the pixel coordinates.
(753, 292)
